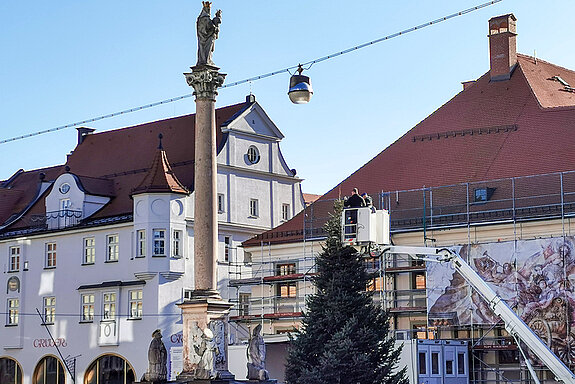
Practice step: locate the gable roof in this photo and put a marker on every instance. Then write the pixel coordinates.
(490, 130)
(114, 163)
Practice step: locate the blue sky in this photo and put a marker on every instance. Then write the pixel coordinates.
(70, 60)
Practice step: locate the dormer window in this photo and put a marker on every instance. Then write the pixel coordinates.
(65, 204)
(482, 195)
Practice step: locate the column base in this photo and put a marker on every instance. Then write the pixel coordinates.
(205, 335)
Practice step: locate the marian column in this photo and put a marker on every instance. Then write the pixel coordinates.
(205, 315)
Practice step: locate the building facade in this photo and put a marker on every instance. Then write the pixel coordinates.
(99, 251)
(497, 165)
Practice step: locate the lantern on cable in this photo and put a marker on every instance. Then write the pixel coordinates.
(300, 90)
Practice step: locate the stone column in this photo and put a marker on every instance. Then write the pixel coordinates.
(205, 315)
(205, 79)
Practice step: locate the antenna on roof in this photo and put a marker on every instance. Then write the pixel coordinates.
(160, 136)
(535, 56)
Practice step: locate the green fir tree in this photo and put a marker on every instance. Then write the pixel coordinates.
(345, 336)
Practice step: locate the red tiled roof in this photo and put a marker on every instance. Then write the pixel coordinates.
(309, 198)
(160, 177)
(113, 163)
(490, 130)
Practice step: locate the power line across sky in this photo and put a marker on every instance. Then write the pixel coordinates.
(66, 63)
(258, 77)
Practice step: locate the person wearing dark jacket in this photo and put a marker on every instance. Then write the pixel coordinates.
(355, 200)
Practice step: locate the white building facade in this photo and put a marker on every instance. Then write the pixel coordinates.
(97, 258)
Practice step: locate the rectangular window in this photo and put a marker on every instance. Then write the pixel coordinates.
(435, 363)
(141, 246)
(14, 259)
(244, 304)
(221, 203)
(65, 204)
(49, 310)
(159, 242)
(136, 304)
(286, 290)
(177, 243)
(50, 255)
(285, 269)
(418, 280)
(227, 247)
(449, 367)
(109, 306)
(285, 212)
(254, 209)
(89, 250)
(88, 307)
(422, 363)
(461, 363)
(113, 247)
(13, 311)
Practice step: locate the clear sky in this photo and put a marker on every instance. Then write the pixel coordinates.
(65, 61)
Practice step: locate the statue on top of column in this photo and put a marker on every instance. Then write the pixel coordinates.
(208, 30)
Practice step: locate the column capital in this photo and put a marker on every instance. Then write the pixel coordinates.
(206, 80)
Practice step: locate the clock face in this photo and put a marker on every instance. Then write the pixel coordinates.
(64, 188)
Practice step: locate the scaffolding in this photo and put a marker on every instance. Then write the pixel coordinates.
(398, 283)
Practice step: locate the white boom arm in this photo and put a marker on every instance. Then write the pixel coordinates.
(513, 323)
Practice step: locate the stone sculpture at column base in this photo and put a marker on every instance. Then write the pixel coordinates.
(205, 334)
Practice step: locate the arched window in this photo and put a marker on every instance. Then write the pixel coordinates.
(49, 371)
(109, 369)
(10, 371)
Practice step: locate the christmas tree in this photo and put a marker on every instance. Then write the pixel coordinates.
(344, 336)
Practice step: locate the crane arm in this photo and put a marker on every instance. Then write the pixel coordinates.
(513, 323)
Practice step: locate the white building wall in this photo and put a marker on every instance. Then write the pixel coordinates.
(163, 280)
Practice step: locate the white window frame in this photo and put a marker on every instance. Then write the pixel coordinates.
(112, 247)
(141, 244)
(136, 304)
(12, 311)
(221, 203)
(88, 302)
(227, 248)
(14, 258)
(51, 253)
(253, 154)
(254, 208)
(285, 212)
(177, 237)
(109, 306)
(89, 250)
(158, 242)
(65, 204)
(49, 309)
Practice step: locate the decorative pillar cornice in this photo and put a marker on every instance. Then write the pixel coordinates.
(206, 80)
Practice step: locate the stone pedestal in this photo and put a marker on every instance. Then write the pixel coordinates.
(205, 339)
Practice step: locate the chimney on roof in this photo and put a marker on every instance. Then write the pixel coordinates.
(83, 132)
(502, 46)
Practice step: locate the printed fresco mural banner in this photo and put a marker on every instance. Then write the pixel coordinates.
(535, 277)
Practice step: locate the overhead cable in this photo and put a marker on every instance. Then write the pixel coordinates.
(259, 77)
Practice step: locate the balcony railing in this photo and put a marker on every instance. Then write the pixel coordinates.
(57, 219)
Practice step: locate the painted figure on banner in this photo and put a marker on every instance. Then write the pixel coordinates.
(535, 277)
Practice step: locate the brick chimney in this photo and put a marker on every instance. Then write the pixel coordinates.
(502, 46)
